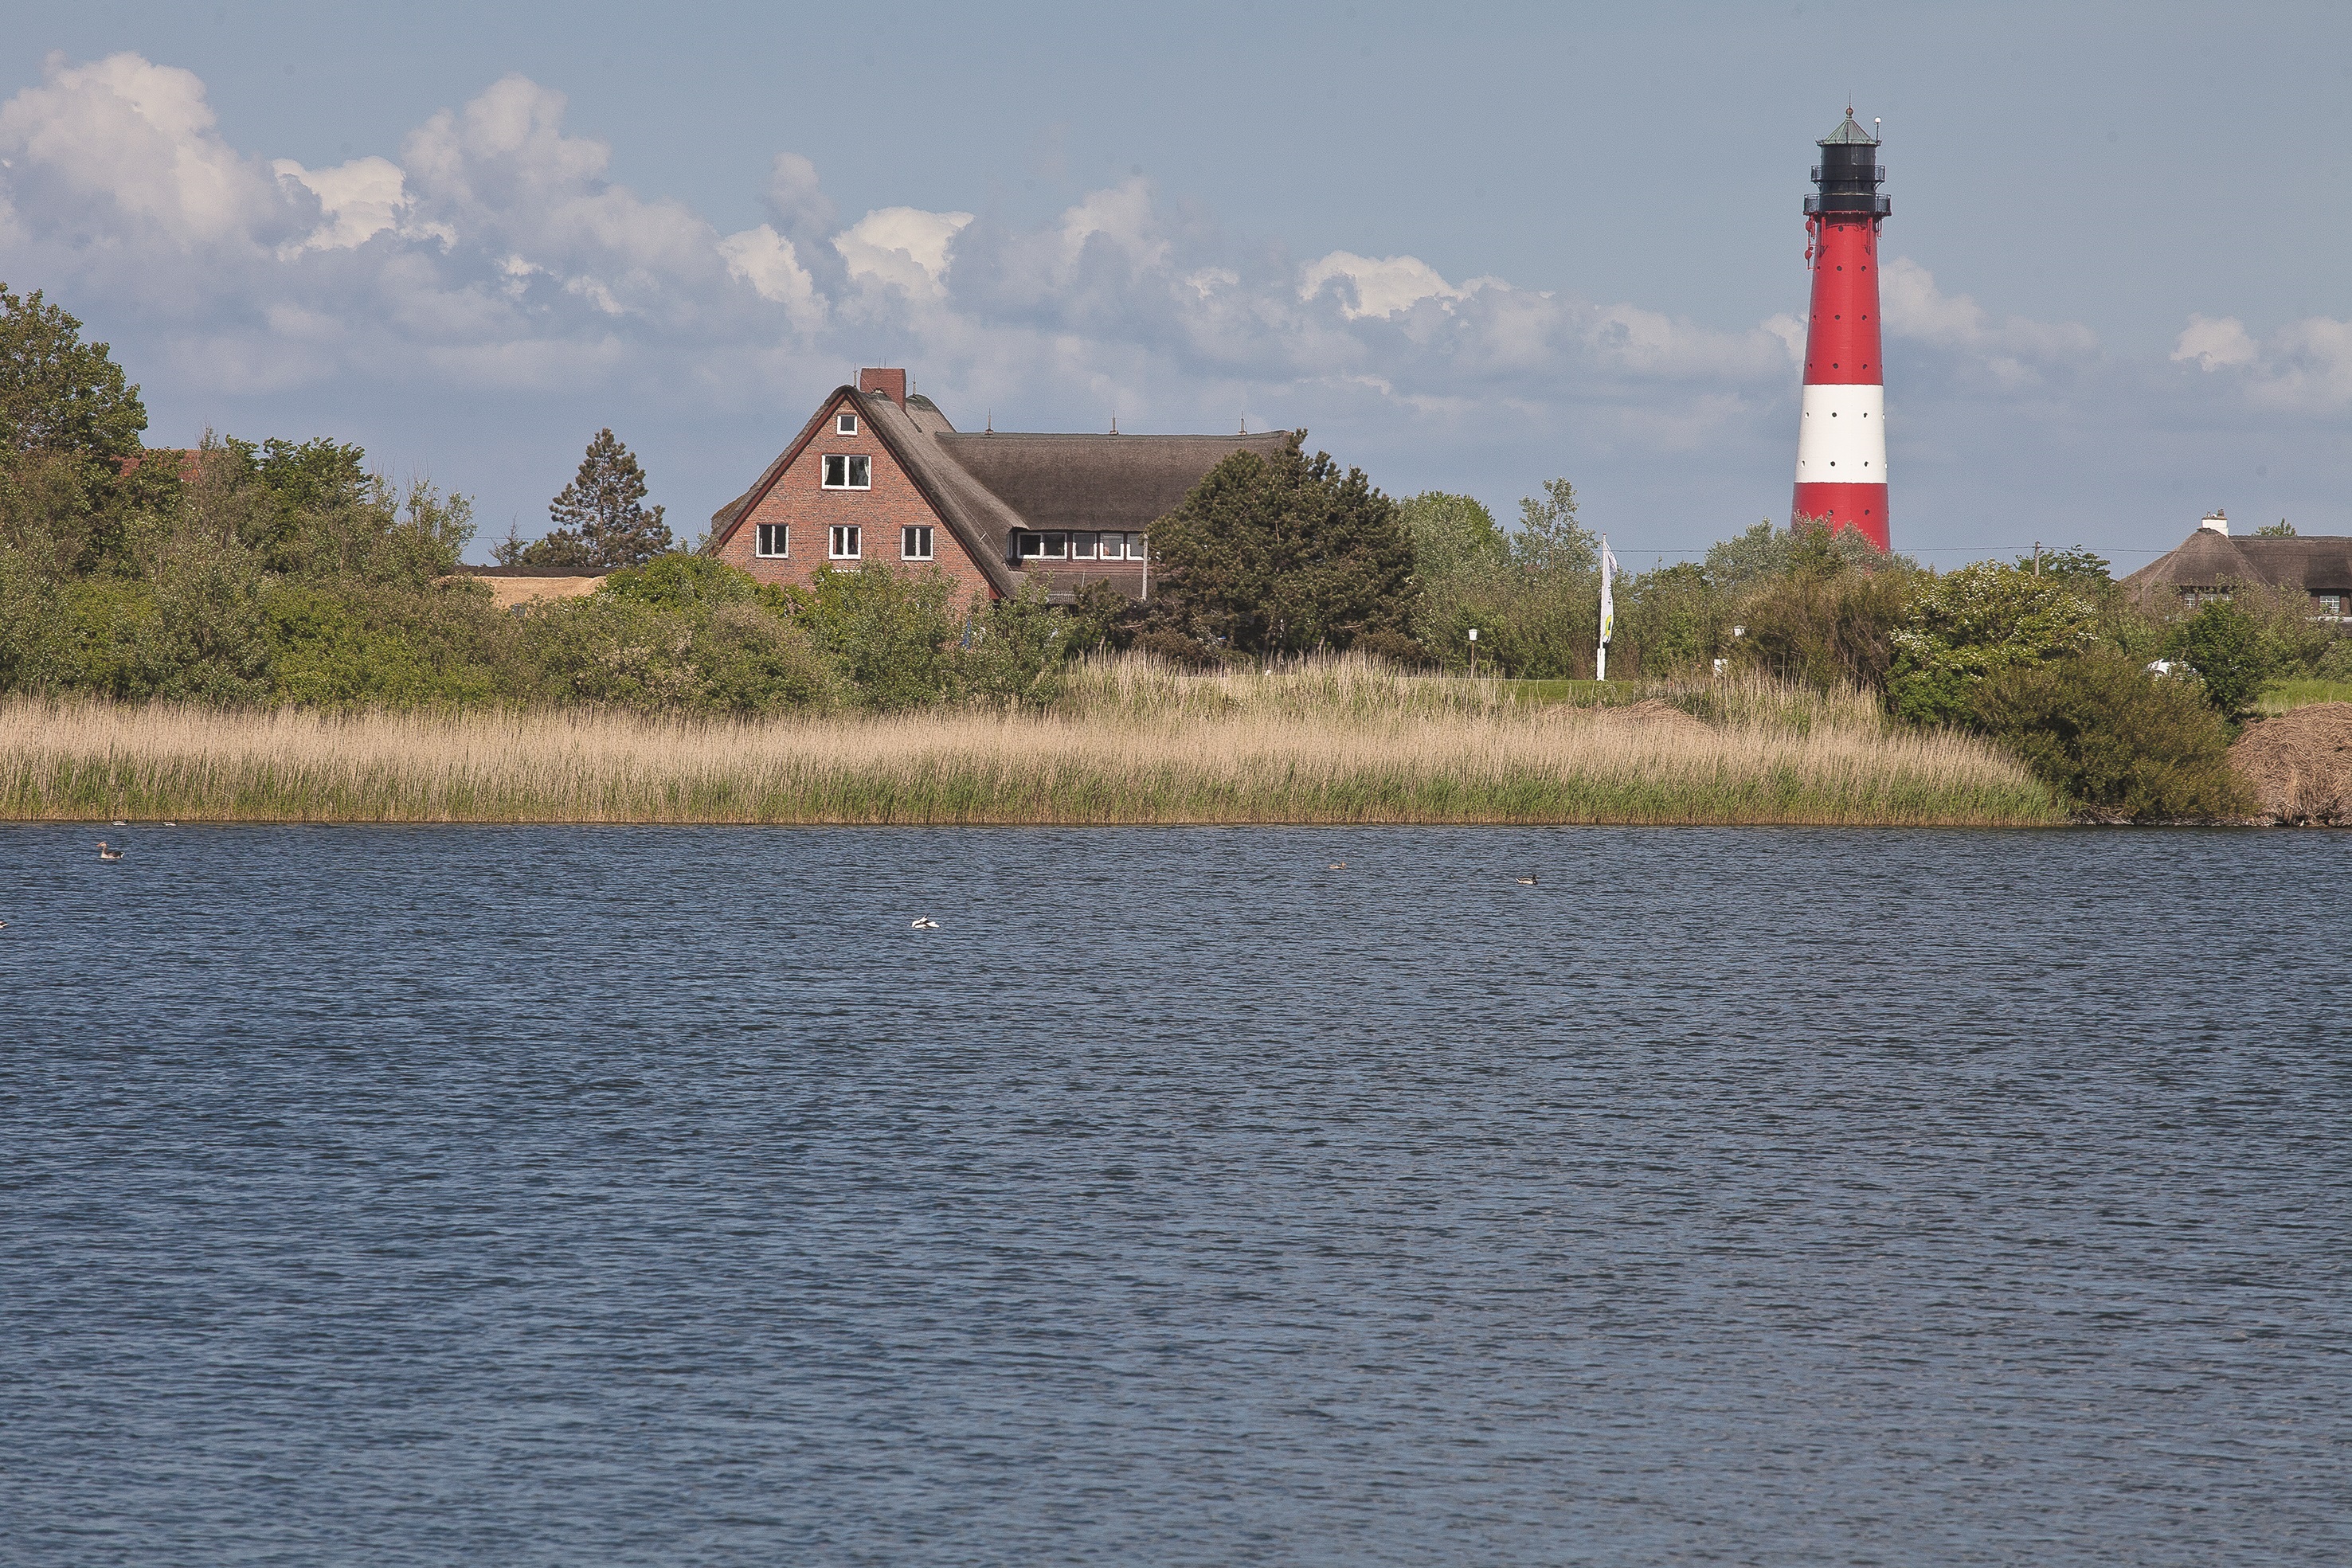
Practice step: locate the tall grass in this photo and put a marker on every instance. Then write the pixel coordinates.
(1328, 741)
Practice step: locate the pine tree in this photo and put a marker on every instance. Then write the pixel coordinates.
(1282, 554)
(601, 520)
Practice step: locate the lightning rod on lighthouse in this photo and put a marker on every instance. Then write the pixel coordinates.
(1842, 432)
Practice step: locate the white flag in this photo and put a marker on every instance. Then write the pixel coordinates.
(1608, 602)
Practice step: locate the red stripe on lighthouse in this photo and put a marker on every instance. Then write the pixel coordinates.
(1841, 434)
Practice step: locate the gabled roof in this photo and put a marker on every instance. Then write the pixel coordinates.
(986, 486)
(1848, 134)
(968, 511)
(2320, 563)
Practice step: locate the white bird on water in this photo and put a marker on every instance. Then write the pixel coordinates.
(107, 854)
(1527, 880)
(924, 923)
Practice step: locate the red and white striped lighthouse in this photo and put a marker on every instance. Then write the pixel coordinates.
(1841, 437)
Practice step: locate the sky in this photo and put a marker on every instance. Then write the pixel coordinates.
(1467, 248)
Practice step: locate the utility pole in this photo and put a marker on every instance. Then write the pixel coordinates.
(2037, 557)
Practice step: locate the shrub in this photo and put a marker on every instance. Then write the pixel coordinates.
(1017, 649)
(2117, 740)
(620, 649)
(2226, 647)
(1827, 629)
(351, 643)
(886, 631)
(1972, 626)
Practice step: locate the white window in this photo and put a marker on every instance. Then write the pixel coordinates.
(775, 541)
(1057, 545)
(1031, 545)
(845, 424)
(1114, 546)
(915, 544)
(848, 471)
(1082, 546)
(845, 541)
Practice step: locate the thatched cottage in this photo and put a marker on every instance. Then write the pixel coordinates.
(2212, 564)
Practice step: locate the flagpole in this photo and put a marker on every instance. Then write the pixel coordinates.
(1608, 612)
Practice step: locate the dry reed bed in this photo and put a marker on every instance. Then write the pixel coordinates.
(1273, 753)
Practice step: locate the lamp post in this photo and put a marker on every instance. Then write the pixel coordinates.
(1473, 652)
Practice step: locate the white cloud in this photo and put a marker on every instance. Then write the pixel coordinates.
(138, 138)
(766, 260)
(2213, 344)
(1384, 287)
(361, 199)
(795, 196)
(2305, 366)
(2014, 350)
(905, 248)
(1120, 217)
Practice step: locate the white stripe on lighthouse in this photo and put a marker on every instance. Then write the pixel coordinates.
(1841, 440)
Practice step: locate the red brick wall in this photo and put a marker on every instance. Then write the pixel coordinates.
(799, 499)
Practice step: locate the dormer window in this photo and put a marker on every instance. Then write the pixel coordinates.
(845, 424)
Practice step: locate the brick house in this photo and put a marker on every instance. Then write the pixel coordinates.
(2211, 563)
(877, 476)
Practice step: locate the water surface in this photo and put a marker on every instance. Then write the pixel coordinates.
(604, 1196)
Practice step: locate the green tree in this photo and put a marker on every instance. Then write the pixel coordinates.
(1671, 620)
(1550, 539)
(887, 630)
(58, 393)
(1972, 624)
(1451, 534)
(1285, 554)
(1018, 650)
(601, 520)
(2281, 530)
(2226, 647)
(2078, 566)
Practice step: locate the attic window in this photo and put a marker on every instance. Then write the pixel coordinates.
(848, 471)
(845, 424)
(775, 541)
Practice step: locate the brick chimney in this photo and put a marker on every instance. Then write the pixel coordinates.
(891, 384)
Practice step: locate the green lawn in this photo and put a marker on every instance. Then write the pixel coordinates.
(2281, 696)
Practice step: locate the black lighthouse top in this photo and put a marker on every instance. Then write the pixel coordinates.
(1849, 172)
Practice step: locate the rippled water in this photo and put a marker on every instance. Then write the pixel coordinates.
(601, 1196)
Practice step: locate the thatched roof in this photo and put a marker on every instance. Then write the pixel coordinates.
(986, 487)
(2208, 559)
(1097, 481)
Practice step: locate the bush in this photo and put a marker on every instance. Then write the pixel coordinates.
(2226, 647)
(1971, 626)
(886, 631)
(351, 643)
(2118, 741)
(1018, 650)
(1827, 629)
(619, 648)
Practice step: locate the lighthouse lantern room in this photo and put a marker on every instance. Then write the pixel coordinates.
(1842, 432)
